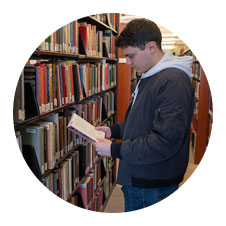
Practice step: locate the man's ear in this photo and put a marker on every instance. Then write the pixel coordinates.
(151, 46)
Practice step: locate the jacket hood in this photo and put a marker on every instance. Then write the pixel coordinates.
(168, 61)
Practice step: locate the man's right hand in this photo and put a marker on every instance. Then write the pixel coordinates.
(106, 130)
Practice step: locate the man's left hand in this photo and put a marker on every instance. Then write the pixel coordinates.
(103, 147)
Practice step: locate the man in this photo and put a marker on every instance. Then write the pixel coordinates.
(155, 133)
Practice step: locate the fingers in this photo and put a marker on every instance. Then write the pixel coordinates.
(100, 139)
(98, 128)
(102, 128)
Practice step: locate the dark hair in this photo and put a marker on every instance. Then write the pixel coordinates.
(138, 33)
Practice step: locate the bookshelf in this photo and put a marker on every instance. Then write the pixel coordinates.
(124, 84)
(203, 112)
(73, 70)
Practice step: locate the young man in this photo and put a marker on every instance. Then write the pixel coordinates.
(155, 133)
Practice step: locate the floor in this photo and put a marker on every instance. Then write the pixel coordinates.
(116, 202)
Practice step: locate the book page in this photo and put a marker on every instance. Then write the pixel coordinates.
(83, 128)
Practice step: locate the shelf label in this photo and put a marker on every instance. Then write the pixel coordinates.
(122, 60)
(31, 131)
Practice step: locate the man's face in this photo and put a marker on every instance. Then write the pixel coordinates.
(140, 60)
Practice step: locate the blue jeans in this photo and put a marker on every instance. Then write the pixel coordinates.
(138, 198)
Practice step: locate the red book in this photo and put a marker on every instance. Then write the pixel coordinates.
(83, 30)
(82, 190)
(42, 87)
(59, 102)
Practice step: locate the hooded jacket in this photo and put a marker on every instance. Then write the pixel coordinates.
(156, 131)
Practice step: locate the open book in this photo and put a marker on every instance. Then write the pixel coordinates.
(84, 129)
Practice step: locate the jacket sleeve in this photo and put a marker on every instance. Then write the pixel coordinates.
(117, 130)
(170, 123)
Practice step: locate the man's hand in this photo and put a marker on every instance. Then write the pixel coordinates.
(103, 147)
(106, 130)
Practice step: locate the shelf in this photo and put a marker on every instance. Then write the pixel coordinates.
(82, 180)
(100, 25)
(60, 161)
(48, 54)
(72, 150)
(39, 117)
(78, 57)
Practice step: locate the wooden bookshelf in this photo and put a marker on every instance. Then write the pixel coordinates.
(60, 55)
(71, 53)
(202, 120)
(100, 25)
(124, 84)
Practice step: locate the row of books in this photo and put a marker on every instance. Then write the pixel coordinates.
(97, 77)
(196, 70)
(85, 201)
(109, 43)
(92, 41)
(65, 178)
(196, 85)
(51, 138)
(79, 165)
(96, 43)
(108, 19)
(90, 189)
(193, 138)
(92, 194)
(64, 40)
(57, 84)
(96, 109)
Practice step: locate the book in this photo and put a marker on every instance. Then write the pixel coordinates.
(19, 105)
(31, 160)
(84, 129)
(50, 141)
(34, 135)
(31, 105)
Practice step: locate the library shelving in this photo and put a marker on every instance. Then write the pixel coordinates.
(203, 111)
(74, 70)
(124, 84)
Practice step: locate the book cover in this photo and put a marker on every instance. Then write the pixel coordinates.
(51, 153)
(31, 105)
(84, 129)
(18, 107)
(31, 160)
(55, 119)
(82, 161)
(77, 83)
(34, 135)
(83, 31)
